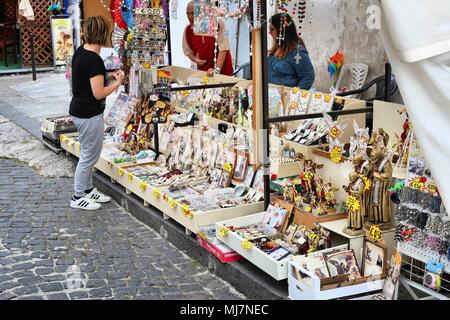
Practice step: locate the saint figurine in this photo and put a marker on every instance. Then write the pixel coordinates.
(355, 219)
(363, 168)
(379, 208)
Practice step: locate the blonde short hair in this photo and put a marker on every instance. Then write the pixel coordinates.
(96, 31)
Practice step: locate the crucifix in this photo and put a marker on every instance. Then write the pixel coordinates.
(297, 57)
(280, 38)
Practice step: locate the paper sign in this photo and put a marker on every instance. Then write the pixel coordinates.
(156, 193)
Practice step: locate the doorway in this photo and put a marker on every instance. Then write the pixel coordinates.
(10, 53)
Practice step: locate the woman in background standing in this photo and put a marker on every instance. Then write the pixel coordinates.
(288, 62)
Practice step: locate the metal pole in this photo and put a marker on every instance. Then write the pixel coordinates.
(156, 134)
(169, 41)
(387, 81)
(252, 18)
(265, 103)
(33, 57)
(368, 109)
(237, 39)
(205, 86)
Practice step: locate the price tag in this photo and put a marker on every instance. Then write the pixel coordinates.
(308, 176)
(63, 138)
(228, 167)
(327, 98)
(130, 177)
(318, 95)
(143, 185)
(314, 236)
(223, 231)
(110, 164)
(431, 186)
(295, 90)
(294, 105)
(121, 172)
(173, 203)
(186, 211)
(329, 195)
(247, 245)
(334, 132)
(305, 93)
(375, 233)
(156, 193)
(398, 258)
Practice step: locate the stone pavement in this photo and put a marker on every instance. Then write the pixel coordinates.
(49, 251)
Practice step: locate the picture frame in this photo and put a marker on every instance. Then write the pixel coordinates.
(231, 159)
(225, 180)
(215, 177)
(374, 260)
(258, 180)
(241, 167)
(274, 217)
(290, 231)
(249, 176)
(279, 253)
(315, 263)
(342, 263)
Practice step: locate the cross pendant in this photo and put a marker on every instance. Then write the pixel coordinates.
(297, 58)
(280, 38)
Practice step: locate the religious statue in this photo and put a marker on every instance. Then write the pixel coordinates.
(381, 168)
(363, 168)
(355, 219)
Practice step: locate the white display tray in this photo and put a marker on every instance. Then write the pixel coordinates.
(276, 269)
(309, 288)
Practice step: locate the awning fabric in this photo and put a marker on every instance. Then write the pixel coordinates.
(416, 35)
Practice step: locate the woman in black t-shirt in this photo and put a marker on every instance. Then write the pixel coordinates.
(90, 88)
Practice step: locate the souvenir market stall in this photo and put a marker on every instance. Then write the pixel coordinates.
(289, 179)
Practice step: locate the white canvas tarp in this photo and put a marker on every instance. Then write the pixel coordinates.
(416, 35)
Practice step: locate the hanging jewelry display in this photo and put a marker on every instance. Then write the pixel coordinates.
(149, 35)
(174, 11)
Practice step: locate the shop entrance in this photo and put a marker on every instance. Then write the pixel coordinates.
(10, 57)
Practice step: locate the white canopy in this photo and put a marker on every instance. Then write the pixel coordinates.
(416, 35)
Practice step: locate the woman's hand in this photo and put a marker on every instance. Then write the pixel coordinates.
(119, 75)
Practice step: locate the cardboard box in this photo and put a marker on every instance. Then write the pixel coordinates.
(224, 253)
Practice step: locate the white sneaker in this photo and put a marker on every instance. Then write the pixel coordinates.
(97, 196)
(85, 204)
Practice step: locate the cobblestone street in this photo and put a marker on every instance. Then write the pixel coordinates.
(49, 251)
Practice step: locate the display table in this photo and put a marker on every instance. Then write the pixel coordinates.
(338, 236)
(191, 220)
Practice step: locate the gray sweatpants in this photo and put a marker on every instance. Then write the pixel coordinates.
(91, 142)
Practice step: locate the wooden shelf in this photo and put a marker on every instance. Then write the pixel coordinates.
(308, 219)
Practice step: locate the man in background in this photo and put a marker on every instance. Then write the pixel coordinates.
(200, 49)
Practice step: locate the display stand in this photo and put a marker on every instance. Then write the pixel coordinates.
(409, 254)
